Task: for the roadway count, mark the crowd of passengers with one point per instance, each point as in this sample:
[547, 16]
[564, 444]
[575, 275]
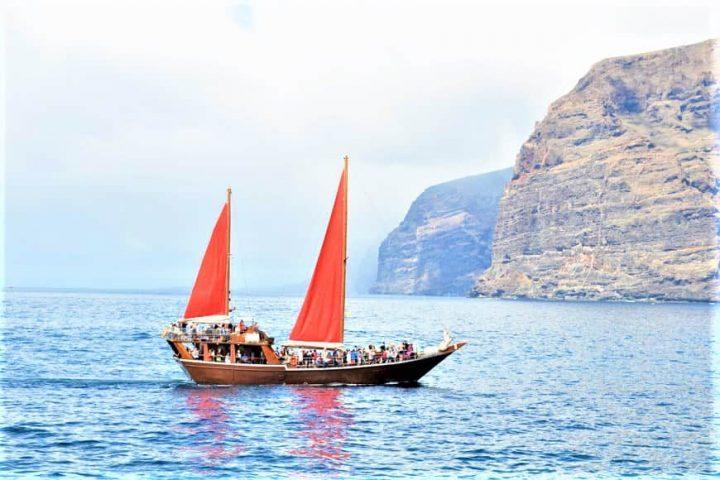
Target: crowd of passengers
[208, 329]
[294, 357]
[298, 357]
[312, 358]
[221, 353]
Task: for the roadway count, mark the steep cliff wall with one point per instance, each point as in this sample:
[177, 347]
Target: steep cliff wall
[614, 194]
[445, 240]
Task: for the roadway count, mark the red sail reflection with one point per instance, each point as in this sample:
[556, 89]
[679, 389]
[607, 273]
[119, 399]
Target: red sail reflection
[214, 431]
[325, 422]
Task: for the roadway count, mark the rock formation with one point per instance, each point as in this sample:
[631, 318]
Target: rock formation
[445, 240]
[614, 195]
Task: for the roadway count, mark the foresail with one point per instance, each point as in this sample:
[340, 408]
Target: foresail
[322, 317]
[210, 293]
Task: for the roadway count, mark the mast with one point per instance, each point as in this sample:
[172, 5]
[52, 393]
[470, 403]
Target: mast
[227, 276]
[344, 247]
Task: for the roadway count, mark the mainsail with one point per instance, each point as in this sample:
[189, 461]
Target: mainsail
[321, 321]
[210, 295]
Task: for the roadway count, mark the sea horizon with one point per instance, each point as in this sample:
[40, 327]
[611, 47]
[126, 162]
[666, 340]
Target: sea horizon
[179, 292]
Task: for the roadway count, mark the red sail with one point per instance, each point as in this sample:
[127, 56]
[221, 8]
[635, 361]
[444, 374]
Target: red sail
[210, 293]
[322, 317]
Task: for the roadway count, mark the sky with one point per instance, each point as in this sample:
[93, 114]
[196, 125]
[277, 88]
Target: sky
[125, 121]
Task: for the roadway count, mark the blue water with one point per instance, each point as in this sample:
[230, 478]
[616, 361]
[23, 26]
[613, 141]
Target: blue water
[543, 389]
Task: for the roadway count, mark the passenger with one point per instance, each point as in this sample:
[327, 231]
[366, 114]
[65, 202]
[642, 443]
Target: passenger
[241, 326]
[370, 354]
[394, 353]
[348, 357]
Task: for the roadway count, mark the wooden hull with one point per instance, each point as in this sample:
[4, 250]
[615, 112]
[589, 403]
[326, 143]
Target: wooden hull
[409, 371]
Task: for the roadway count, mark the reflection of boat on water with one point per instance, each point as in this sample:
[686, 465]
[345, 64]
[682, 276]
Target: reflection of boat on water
[211, 351]
[325, 423]
[215, 440]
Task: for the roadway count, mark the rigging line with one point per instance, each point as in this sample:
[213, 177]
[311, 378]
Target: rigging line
[242, 273]
[376, 210]
[237, 260]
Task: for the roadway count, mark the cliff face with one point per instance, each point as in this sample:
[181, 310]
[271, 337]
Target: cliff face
[445, 240]
[614, 194]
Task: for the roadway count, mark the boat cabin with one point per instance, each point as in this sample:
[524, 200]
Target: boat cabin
[222, 343]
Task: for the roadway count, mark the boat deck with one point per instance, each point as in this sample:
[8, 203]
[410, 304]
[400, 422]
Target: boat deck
[405, 371]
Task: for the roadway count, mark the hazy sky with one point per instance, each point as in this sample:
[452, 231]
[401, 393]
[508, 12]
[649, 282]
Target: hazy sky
[126, 120]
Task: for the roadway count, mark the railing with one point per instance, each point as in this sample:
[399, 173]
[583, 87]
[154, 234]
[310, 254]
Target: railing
[212, 336]
[197, 337]
[309, 363]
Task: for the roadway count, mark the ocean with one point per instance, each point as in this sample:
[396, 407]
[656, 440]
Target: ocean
[543, 389]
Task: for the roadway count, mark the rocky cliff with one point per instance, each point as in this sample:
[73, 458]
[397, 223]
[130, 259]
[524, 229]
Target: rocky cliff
[614, 195]
[445, 240]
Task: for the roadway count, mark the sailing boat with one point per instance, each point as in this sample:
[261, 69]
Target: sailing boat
[213, 350]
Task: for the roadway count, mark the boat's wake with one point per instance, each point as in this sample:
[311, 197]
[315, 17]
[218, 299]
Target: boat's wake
[89, 382]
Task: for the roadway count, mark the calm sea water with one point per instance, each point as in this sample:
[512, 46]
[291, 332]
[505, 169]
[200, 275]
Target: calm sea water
[543, 389]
